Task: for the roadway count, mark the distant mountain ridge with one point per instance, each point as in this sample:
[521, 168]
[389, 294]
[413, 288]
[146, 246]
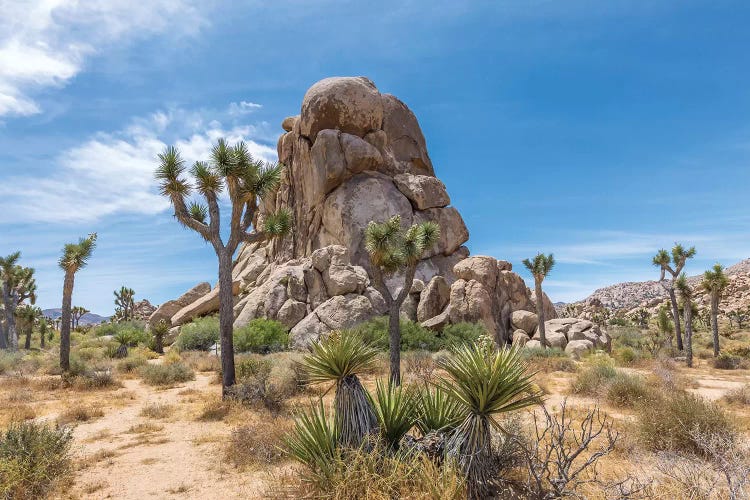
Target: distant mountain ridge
[86, 319]
[632, 294]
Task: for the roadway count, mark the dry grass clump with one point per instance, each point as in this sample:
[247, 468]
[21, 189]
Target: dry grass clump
[726, 361]
[592, 380]
[548, 360]
[420, 366]
[626, 390]
[157, 410]
[739, 396]
[146, 428]
[214, 411]
[670, 421]
[131, 364]
[257, 443]
[261, 384]
[166, 374]
[201, 361]
[79, 412]
[34, 458]
[375, 475]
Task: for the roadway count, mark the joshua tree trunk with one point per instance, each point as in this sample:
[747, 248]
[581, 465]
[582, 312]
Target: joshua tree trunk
[540, 311]
[3, 335]
[42, 340]
[10, 318]
[689, 335]
[226, 319]
[715, 321]
[27, 343]
[676, 316]
[394, 342]
[66, 320]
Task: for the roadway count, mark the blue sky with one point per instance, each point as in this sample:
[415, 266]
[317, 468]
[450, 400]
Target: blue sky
[600, 131]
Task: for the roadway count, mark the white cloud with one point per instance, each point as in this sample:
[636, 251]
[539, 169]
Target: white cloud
[113, 173]
[243, 108]
[44, 43]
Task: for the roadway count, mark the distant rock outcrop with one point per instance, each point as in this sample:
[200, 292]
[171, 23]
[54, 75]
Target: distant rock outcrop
[354, 155]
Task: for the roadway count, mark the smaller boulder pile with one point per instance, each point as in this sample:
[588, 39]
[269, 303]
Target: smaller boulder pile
[575, 336]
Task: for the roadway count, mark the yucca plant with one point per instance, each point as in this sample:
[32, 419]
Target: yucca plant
[437, 411]
[314, 441]
[339, 358]
[396, 409]
[123, 340]
[485, 382]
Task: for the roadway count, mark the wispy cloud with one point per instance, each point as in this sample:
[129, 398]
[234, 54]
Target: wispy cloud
[243, 108]
[45, 43]
[112, 173]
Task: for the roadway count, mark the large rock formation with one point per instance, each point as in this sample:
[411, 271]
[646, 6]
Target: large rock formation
[354, 155]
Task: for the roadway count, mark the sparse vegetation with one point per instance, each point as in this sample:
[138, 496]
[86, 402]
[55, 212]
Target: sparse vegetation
[34, 458]
[166, 374]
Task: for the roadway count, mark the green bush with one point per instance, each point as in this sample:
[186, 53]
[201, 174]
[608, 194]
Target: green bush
[623, 336]
[131, 364]
[592, 379]
[261, 336]
[415, 337]
[166, 374]
[626, 355]
[33, 458]
[9, 361]
[461, 333]
[627, 390]
[669, 422]
[199, 335]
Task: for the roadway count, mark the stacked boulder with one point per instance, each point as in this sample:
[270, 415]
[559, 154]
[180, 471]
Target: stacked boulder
[575, 336]
[354, 155]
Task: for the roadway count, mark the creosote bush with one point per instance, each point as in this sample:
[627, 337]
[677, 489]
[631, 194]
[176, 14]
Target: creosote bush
[199, 335]
[34, 458]
[669, 422]
[261, 336]
[600, 370]
[626, 390]
[166, 374]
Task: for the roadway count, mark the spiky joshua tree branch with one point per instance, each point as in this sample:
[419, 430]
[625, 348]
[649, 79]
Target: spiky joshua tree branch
[231, 170]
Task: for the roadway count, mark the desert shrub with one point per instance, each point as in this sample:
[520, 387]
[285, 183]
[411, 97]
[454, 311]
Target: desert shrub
[255, 386]
[624, 336]
[592, 379]
[9, 361]
[261, 336]
[33, 459]
[131, 364]
[741, 351]
[166, 374]
[420, 365]
[725, 361]
[461, 333]
[90, 353]
[739, 395]
[200, 361]
[626, 355]
[79, 413]
[548, 360]
[627, 390]
[157, 410]
[416, 337]
[257, 443]
[199, 335]
[113, 328]
[667, 423]
[214, 411]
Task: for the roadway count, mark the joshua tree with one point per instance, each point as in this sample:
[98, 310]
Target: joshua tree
[739, 316]
[124, 303]
[160, 330]
[686, 294]
[27, 316]
[640, 317]
[246, 181]
[714, 282]
[394, 249]
[43, 331]
[664, 261]
[76, 313]
[540, 268]
[74, 258]
[18, 285]
[663, 323]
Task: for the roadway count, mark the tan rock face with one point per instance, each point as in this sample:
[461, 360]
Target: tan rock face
[352, 156]
[171, 307]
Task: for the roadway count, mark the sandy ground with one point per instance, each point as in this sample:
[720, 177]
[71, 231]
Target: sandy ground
[173, 457]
